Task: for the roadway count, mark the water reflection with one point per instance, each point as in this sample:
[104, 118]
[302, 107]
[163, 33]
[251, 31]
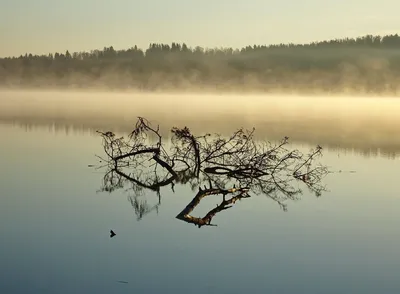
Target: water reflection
[345, 240]
[232, 167]
[370, 127]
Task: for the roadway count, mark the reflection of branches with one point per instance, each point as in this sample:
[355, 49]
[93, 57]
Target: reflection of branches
[141, 207]
[262, 167]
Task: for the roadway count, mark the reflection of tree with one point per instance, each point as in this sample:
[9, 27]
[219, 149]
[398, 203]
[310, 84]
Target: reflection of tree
[233, 166]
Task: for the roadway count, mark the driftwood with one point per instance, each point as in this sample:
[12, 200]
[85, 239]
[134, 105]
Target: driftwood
[225, 204]
[143, 160]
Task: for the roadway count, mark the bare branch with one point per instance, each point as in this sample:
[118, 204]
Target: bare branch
[261, 167]
[206, 220]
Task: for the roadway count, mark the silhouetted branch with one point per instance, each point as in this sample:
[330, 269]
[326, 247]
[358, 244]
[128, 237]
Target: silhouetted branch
[131, 154]
[239, 160]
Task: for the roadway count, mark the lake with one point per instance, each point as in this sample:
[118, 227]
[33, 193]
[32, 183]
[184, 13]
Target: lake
[55, 221]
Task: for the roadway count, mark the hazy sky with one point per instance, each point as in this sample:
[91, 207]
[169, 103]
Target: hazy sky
[42, 26]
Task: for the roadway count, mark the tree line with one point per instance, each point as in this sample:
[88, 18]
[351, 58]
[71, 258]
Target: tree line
[367, 64]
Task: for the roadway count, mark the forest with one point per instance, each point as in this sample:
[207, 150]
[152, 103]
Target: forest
[365, 65]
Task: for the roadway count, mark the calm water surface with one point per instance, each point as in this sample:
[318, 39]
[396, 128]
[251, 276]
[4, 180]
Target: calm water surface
[55, 224]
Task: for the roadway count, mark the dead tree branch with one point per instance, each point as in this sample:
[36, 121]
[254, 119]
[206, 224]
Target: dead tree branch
[262, 167]
[225, 204]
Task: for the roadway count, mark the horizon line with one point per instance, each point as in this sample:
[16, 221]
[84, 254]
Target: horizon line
[288, 44]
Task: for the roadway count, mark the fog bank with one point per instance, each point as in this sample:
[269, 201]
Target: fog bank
[367, 124]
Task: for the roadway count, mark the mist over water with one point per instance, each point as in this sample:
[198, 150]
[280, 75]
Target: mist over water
[368, 125]
[366, 65]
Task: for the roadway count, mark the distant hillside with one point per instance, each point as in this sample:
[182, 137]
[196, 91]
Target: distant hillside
[368, 64]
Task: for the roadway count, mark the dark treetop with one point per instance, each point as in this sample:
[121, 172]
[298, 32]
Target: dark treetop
[369, 64]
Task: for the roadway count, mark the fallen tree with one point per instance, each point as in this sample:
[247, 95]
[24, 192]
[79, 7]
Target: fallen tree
[235, 165]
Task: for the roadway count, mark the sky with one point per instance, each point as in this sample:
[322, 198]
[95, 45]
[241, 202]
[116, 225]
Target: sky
[43, 26]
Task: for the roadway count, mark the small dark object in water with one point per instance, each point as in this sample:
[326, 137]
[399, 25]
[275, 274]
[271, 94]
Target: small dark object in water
[112, 234]
[123, 282]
